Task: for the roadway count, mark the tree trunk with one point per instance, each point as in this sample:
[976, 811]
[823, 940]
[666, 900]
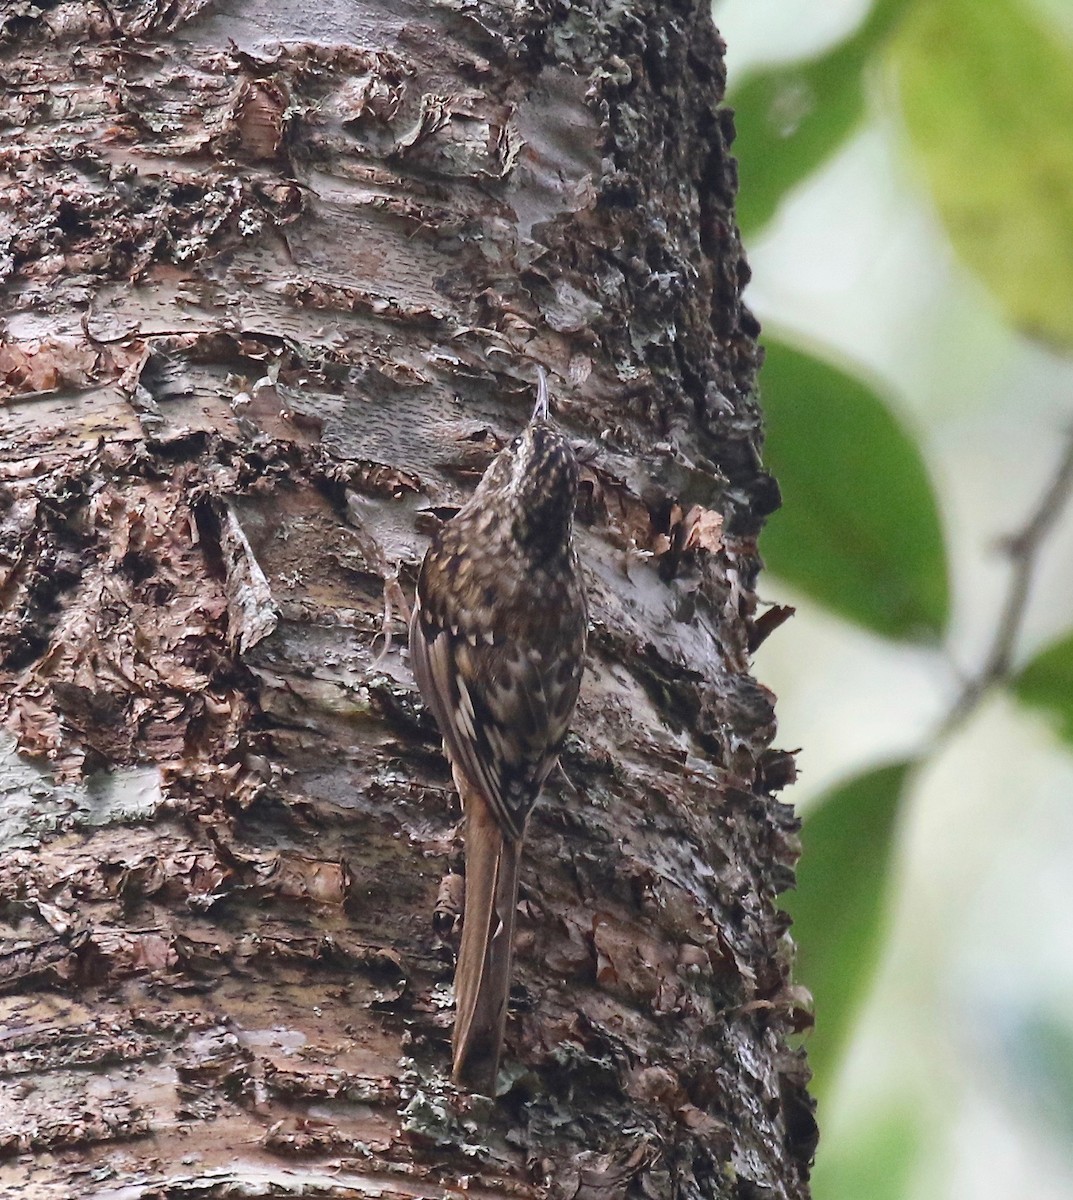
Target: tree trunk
[275, 282]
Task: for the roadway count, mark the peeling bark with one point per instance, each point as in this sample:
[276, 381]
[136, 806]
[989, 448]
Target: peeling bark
[273, 282]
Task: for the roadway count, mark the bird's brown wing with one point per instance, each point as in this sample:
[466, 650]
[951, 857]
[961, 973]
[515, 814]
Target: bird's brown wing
[491, 702]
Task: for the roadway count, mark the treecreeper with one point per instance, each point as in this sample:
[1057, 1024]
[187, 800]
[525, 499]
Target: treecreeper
[497, 643]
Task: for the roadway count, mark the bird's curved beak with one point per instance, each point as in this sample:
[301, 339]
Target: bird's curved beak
[540, 412]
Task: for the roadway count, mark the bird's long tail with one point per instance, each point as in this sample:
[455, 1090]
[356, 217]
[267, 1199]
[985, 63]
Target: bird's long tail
[482, 976]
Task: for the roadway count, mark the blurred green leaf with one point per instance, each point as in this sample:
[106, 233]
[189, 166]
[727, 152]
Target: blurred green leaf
[1047, 683]
[987, 91]
[839, 904]
[790, 118]
[859, 529]
[874, 1162]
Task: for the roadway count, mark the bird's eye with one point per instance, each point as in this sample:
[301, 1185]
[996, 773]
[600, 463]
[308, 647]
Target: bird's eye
[516, 443]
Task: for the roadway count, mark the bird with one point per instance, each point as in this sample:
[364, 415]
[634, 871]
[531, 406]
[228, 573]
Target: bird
[497, 645]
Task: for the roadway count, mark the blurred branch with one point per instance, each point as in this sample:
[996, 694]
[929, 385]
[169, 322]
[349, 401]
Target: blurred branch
[1023, 549]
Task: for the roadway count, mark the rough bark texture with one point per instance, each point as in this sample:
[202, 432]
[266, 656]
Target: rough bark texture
[274, 276]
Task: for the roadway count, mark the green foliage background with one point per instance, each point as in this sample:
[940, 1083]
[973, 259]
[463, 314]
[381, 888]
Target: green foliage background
[983, 95]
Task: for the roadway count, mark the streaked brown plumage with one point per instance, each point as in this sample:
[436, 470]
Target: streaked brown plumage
[497, 643]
